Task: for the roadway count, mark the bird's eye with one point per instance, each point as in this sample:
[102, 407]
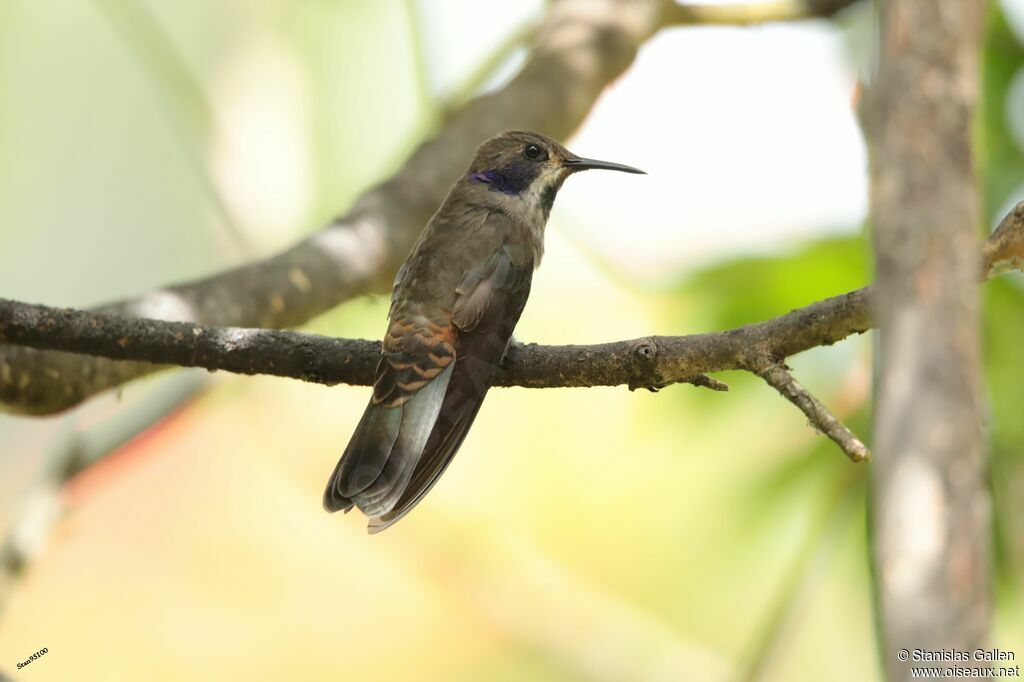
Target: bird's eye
[532, 151]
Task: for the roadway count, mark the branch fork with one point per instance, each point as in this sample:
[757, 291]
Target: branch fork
[777, 375]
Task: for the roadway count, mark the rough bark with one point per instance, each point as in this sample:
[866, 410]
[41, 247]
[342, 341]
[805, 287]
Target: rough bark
[647, 362]
[930, 504]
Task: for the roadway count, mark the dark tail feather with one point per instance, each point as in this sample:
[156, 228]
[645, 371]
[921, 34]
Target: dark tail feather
[382, 455]
[364, 457]
[466, 391]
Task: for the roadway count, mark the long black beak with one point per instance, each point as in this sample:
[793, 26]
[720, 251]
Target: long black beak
[578, 164]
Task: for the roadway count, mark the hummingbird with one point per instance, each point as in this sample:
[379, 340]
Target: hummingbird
[456, 300]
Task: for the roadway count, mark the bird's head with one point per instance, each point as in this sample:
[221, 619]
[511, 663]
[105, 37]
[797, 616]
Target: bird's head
[525, 170]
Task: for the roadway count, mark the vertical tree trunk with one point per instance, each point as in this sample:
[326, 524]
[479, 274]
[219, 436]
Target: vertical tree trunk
[930, 503]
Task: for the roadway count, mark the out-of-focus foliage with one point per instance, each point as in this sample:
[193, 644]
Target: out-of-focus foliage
[748, 290]
[1002, 157]
[1004, 365]
[1000, 151]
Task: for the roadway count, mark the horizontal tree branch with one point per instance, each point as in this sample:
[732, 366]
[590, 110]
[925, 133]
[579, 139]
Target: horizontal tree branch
[647, 362]
[651, 362]
[579, 47]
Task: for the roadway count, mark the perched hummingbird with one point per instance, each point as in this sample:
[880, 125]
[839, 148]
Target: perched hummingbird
[455, 302]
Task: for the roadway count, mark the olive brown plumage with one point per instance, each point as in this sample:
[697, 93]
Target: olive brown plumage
[455, 303]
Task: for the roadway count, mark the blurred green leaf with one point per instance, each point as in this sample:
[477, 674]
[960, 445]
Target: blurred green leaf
[1002, 159]
[753, 289]
[1004, 371]
[1002, 162]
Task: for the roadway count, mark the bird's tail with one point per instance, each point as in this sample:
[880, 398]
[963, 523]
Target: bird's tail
[388, 443]
[466, 391]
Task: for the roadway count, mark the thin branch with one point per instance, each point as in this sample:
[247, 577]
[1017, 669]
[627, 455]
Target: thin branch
[188, 108]
[778, 377]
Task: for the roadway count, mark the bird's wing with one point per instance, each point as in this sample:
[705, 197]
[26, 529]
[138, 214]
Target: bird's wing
[409, 386]
[489, 301]
[418, 346]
